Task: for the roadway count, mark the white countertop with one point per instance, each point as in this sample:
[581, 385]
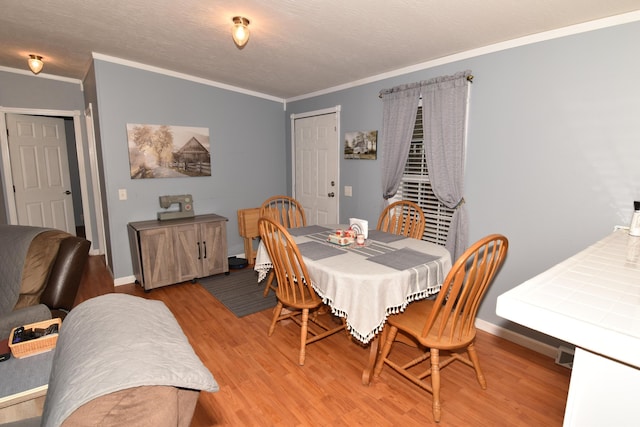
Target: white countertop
[591, 300]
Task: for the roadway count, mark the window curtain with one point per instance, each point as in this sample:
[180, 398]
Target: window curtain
[444, 113]
[444, 106]
[400, 106]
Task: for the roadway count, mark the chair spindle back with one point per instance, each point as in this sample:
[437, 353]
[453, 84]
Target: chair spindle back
[404, 218]
[454, 312]
[284, 210]
[294, 283]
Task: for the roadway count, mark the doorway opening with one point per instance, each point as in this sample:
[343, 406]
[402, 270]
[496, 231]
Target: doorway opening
[76, 162]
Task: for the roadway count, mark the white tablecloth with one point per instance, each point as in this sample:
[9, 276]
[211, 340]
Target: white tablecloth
[361, 290]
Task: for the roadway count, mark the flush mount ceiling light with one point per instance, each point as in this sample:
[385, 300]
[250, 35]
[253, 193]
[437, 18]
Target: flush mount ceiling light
[35, 63]
[240, 31]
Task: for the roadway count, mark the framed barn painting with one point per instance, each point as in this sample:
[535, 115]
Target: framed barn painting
[361, 145]
[164, 151]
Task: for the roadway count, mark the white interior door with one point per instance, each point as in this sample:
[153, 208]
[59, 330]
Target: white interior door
[317, 148]
[40, 171]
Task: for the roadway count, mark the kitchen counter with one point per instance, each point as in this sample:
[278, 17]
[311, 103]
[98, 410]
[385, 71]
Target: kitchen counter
[591, 300]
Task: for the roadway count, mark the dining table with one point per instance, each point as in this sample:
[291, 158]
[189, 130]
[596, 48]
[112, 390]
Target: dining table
[364, 284]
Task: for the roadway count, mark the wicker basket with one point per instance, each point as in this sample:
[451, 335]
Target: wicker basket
[38, 345]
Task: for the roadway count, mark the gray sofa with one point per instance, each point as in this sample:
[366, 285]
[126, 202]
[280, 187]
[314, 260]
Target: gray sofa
[123, 360]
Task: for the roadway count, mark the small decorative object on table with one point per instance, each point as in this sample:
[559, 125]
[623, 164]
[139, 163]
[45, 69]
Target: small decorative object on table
[360, 226]
[342, 237]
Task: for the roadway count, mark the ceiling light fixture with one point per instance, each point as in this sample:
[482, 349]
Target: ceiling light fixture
[240, 31]
[35, 63]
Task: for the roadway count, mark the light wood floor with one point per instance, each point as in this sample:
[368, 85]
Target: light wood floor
[261, 383]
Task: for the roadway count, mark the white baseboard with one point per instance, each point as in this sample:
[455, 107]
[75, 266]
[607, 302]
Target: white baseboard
[124, 280]
[516, 338]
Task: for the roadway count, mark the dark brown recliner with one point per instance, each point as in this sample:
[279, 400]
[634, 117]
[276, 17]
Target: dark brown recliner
[52, 263]
[66, 274]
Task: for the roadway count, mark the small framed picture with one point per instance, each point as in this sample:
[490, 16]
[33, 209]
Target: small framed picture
[361, 145]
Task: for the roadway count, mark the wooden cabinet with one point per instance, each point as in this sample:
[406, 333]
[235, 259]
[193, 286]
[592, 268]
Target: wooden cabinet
[174, 251]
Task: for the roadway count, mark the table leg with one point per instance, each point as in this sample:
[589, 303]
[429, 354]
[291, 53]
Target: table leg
[371, 363]
[374, 352]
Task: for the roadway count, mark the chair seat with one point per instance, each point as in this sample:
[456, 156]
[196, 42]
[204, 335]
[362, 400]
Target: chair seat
[309, 300]
[411, 321]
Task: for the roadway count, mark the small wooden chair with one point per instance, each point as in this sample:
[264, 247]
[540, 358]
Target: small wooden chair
[404, 218]
[287, 212]
[294, 289]
[448, 322]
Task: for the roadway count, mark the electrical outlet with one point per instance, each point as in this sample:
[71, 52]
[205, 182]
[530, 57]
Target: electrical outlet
[348, 191]
[122, 194]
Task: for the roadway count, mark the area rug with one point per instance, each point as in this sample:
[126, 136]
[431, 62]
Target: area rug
[239, 291]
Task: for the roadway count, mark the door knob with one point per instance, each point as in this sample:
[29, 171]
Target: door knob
[67, 192]
[332, 194]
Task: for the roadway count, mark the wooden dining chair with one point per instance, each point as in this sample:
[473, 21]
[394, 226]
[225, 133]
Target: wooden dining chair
[285, 210]
[448, 322]
[294, 291]
[403, 218]
[289, 213]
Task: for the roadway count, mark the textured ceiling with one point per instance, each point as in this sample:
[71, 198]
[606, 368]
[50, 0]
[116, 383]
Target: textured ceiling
[296, 47]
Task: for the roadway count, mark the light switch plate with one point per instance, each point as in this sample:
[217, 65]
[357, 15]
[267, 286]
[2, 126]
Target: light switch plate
[348, 191]
[122, 194]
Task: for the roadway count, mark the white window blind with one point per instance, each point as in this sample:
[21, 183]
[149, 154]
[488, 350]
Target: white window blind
[416, 186]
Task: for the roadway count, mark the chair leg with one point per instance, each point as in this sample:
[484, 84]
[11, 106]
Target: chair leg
[269, 282]
[276, 314]
[435, 383]
[386, 348]
[473, 356]
[303, 335]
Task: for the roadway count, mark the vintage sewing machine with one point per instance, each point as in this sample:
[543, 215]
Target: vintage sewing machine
[185, 209]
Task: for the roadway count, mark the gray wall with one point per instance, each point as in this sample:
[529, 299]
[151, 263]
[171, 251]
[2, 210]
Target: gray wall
[25, 91]
[247, 149]
[553, 147]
